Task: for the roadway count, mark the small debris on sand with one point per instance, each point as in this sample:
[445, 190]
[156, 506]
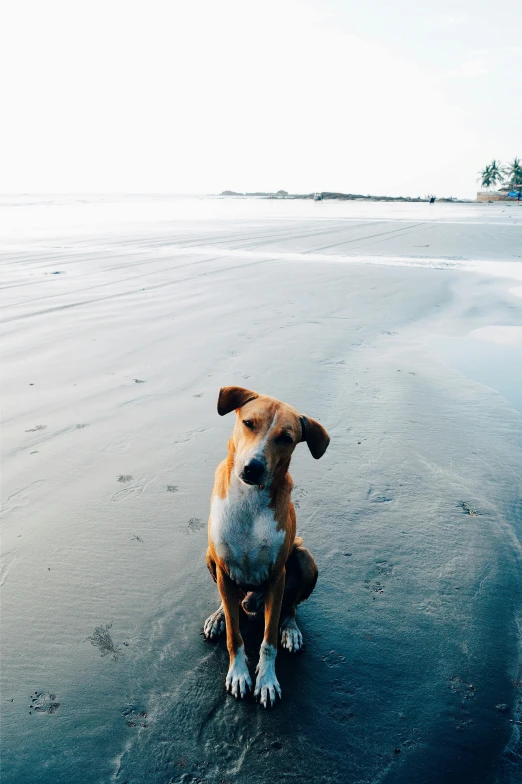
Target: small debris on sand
[101, 638]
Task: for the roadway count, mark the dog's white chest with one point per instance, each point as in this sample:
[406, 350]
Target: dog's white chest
[245, 534]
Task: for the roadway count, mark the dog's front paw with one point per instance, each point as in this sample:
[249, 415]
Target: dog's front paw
[215, 624]
[291, 637]
[267, 685]
[238, 681]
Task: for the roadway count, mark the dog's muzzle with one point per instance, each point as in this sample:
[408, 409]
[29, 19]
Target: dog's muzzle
[253, 473]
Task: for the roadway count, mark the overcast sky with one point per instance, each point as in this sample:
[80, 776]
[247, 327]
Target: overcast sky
[405, 97]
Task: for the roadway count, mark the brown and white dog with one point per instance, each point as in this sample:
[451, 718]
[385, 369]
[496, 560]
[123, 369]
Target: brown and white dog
[253, 553]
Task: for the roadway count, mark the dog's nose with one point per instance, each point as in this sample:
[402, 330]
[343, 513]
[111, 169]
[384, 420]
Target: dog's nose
[253, 472]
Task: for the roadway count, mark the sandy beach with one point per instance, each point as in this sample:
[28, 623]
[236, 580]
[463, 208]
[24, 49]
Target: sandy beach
[399, 327]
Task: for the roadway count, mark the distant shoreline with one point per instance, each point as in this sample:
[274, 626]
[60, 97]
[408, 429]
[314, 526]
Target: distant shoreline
[323, 195]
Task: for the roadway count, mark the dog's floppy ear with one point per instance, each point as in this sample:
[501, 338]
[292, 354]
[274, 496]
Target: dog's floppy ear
[231, 398]
[315, 436]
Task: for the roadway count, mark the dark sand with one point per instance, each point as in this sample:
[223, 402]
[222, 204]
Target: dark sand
[111, 370]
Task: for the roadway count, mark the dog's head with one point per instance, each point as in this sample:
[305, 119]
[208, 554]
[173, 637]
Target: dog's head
[266, 433]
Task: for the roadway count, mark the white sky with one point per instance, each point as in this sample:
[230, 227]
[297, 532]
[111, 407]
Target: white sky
[404, 97]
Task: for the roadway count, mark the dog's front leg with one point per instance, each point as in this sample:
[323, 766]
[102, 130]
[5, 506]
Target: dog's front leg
[267, 685]
[238, 678]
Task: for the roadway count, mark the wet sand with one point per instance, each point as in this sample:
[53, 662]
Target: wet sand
[119, 324]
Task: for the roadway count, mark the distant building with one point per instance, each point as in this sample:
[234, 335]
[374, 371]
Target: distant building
[506, 193]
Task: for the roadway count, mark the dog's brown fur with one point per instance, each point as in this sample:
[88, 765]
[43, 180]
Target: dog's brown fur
[265, 423]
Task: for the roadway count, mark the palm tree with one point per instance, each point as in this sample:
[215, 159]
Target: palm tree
[513, 171]
[492, 174]
[496, 172]
[485, 177]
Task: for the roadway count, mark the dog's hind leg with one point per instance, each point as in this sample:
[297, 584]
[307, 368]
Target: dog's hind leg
[215, 625]
[301, 577]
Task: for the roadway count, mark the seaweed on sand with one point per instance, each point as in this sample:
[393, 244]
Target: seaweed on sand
[101, 638]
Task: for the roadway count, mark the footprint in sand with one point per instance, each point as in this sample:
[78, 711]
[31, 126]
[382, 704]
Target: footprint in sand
[134, 490]
[409, 739]
[21, 497]
[464, 694]
[195, 524]
[339, 686]
[380, 497]
[333, 659]
[341, 712]
[462, 688]
[134, 717]
[128, 493]
[298, 495]
[43, 702]
[377, 576]
[189, 435]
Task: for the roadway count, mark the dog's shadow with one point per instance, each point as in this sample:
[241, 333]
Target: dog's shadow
[199, 732]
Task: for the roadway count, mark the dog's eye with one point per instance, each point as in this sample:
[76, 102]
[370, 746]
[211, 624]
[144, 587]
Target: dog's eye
[248, 423]
[285, 438]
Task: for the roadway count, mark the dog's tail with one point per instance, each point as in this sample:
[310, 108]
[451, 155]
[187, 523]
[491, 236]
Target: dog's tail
[298, 541]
